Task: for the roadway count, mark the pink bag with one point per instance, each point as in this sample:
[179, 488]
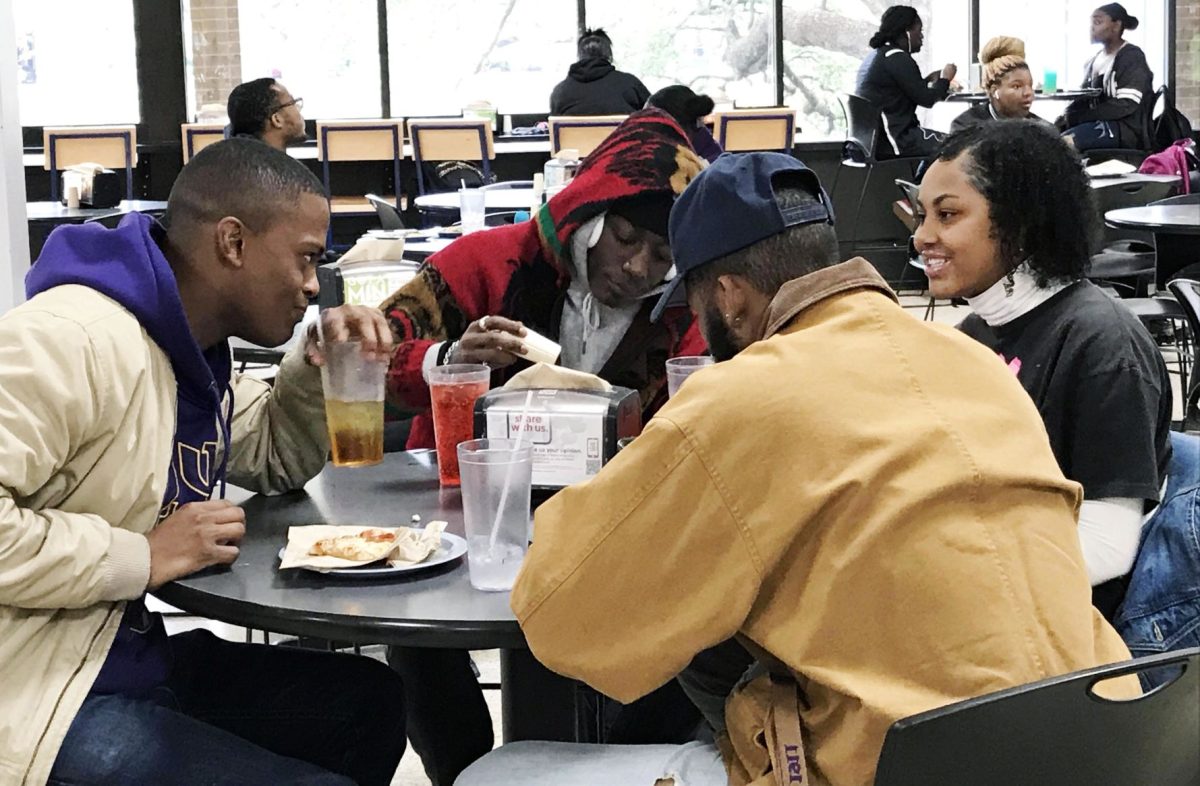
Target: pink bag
[1178, 159]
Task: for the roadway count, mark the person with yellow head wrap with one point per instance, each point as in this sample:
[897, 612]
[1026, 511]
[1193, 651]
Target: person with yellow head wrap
[1007, 82]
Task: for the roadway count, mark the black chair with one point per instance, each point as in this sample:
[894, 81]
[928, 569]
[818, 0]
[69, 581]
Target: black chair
[1126, 258]
[1056, 732]
[863, 192]
[1187, 293]
[389, 216]
[910, 192]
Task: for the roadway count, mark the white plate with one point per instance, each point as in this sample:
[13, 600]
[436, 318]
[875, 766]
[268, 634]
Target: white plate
[451, 548]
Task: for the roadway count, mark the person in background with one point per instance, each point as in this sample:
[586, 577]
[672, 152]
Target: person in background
[265, 110]
[594, 86]
[1117, 117]
[584, 272]
[689, 111]
[993, 233]
[1007, 82]
[890, 79]
[964, 578]
[119, 417]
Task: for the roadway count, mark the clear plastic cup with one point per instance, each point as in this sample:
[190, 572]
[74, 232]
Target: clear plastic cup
[679, 369]
[496, 481]
[353, 388]
[453, 390]
[472, 207]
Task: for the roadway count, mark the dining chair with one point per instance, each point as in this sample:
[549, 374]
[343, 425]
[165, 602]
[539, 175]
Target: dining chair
[1057, 732]
[741, 130]
[451, 139]
[114, 147]
[359, 140]
[197, 136]
[582, 133]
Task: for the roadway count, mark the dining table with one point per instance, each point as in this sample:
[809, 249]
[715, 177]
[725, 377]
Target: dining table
[980, 96]
[1176, 230]
[433, 606]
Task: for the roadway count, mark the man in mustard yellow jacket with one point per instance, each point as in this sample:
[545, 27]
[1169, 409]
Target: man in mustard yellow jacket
[868, 502]
[119, 418]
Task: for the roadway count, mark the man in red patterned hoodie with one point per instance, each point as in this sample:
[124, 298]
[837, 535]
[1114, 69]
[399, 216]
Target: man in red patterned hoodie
[586, 272]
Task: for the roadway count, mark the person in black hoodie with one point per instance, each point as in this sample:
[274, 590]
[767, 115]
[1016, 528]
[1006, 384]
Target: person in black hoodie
[594, 86]
[890, 79]
[148, 309]
[1117, 117]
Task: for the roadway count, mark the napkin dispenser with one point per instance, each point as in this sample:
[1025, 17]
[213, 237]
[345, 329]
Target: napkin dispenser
[95, 185]
[573, 433]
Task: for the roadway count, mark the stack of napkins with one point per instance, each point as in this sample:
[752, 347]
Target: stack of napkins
[1110, 168]
[374, 249]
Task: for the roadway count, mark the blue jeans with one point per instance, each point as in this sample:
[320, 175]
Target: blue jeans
[1161, 610]
[1094, 134]
[243, 714]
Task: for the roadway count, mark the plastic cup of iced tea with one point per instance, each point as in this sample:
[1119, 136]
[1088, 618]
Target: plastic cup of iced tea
[453, 390]
[353, 388]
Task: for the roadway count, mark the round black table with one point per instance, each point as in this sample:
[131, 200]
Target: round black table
[429, 608]
[1175, 228]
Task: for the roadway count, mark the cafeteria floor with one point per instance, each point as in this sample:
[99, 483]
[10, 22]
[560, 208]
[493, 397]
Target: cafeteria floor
[410, 772]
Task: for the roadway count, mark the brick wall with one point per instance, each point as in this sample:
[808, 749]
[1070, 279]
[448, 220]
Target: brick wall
[216, 50]
[1187, 59]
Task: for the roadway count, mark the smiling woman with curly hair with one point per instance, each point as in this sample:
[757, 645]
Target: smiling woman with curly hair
[1006, 214]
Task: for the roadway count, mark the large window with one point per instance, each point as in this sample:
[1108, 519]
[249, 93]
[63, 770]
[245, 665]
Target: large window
[1057, 34]
[76, 62]
[722, 48]
[326, 54]
[824, 43]
[447, 54]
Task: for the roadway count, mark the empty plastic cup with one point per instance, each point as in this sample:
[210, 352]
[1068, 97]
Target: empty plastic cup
[472, 207]
[496, 480]
[679, 369]
[353, 388]
[453, 390]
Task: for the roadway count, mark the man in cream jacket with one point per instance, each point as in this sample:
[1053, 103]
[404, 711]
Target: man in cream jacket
[119, 416]
[868, 502]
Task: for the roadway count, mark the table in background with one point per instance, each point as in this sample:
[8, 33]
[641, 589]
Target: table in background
[495, 200]
[435, 607]
[43, 217]
[1133, 177]
[979, 97]
[1176, 231]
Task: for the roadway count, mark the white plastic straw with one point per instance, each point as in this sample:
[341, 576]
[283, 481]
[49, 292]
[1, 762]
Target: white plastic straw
[508, 472]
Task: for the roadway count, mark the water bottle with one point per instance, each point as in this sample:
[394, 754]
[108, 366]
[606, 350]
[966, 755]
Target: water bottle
[559, 170]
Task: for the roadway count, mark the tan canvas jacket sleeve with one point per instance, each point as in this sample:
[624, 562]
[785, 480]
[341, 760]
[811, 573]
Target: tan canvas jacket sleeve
[58, 393]
[617, 564]
[278, 432]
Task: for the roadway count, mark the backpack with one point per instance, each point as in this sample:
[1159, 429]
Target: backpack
[452, 175]
[1170, 125]
[1179, 159]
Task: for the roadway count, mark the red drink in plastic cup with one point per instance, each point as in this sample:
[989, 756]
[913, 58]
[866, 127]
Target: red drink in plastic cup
[453, 390]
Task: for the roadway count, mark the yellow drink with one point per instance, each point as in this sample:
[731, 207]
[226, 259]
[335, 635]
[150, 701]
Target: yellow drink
[355, 431]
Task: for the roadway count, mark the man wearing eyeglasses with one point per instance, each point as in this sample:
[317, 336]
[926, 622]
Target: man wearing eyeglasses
[265, 110]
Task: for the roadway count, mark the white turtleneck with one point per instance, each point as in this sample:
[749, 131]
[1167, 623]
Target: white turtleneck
[1111, 527]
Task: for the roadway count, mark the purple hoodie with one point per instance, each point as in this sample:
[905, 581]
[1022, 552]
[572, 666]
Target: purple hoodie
[127, 265]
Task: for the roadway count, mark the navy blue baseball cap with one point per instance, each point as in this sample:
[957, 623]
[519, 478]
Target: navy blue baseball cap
[731, 205]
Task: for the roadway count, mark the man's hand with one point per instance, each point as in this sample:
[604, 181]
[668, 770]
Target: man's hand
[492, 340]
[351, 323]
[949, 71]
[194, 537]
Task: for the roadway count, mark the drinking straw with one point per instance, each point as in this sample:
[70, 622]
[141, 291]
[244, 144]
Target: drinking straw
[508, 472]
